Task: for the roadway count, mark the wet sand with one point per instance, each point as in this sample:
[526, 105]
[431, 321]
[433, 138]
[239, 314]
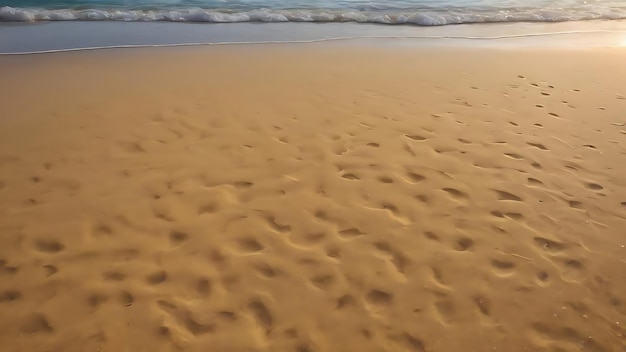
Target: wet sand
[313, 198]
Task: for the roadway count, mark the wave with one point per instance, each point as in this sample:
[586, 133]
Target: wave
[420, 18]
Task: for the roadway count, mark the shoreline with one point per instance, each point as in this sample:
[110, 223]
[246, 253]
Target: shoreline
[29, 38]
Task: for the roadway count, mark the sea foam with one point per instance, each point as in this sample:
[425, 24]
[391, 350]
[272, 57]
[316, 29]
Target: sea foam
[393, 17]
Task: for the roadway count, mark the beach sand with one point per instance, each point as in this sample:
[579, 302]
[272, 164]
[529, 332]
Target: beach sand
[313, 198]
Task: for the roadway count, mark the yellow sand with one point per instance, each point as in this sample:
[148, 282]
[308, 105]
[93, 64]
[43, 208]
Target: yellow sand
[313, 198]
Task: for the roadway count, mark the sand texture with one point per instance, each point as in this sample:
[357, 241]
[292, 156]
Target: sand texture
[313, 198]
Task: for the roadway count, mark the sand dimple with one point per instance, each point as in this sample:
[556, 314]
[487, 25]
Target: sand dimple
[568, 335]
[538, 146]
[415, 137]
[514, 156]
[351, 177]
[50, 269]
[36, 323]
[126, 298]
[262, 315]
[385, 179]
[243, 184]
[504, 195]
[275, 225]
[431, 236]
[102, 230]
[157, 277]
[9, 296]
[345, 301]
[131, 147]
[249, 244]
[549, 245]
[208, 208]
[413, 343]
[203, 286]
[554, 114]
[323, 281]
[446, 311]
[463, 244]
[503, 268]
[185, 319]
[49, 246]
[350, 232]
[96, 299]
[415, 177]
[113, 275]
[483, 304]
[455, 193]
[176, 237]
[575, 204]
[594, 186]
[379, 297]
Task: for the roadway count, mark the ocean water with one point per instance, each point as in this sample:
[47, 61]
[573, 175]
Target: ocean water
[407, 12]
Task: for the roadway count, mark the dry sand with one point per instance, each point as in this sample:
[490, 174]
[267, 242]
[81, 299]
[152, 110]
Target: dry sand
[313, 198]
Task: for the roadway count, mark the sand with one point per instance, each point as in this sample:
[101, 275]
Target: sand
[313, 198]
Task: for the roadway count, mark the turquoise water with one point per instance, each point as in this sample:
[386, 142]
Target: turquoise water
[410, 12]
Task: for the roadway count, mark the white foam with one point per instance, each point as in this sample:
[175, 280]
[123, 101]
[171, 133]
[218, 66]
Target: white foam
[421, 18]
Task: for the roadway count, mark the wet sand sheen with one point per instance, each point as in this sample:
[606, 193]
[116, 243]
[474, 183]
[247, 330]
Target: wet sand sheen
[313, 198]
